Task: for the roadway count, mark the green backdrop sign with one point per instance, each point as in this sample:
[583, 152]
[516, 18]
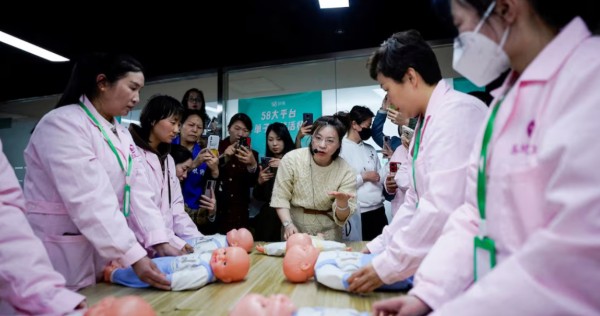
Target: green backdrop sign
[286, 109]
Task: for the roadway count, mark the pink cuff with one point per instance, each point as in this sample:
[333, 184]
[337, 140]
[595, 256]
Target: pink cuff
[157, 236]
[430, 294]
[177, 242]
[133, 255]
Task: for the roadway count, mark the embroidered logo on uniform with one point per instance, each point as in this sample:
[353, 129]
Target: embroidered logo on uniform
[530, 128]
[134, 153]
[526, 149]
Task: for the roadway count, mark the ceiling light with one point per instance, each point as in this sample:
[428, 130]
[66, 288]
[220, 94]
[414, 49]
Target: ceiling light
[30, 48]
[328, 4]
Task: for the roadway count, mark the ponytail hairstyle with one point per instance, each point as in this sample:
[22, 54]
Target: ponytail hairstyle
[86, 70]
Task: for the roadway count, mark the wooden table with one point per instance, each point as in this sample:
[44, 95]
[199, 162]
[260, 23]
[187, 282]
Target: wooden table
[265, 277]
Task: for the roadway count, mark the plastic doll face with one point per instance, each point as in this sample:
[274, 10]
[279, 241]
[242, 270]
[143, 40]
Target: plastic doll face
[299, 240]
[257, 305]
[241, 238]
[230, 264]
[299, 263]
[124, 306]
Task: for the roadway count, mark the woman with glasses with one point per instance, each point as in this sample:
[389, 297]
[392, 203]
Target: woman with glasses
[193, 99]
[314, 188]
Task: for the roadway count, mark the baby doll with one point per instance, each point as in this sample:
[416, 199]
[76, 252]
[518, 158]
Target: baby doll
[280, 305]
[235, 237]
[330, 268]
[191, 271]
[278, 248]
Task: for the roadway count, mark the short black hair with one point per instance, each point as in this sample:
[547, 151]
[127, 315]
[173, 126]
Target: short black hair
[159, 107]
[245, 119]
[179, 153]
[401, 51]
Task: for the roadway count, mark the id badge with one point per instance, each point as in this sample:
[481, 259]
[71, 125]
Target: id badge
[484, 256]
[126, 198]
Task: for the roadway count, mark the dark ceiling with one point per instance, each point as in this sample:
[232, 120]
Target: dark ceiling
[172, 38]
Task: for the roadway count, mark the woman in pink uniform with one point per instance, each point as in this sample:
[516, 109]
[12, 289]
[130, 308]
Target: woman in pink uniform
[527, 239]
[28, 283]
[87, 192]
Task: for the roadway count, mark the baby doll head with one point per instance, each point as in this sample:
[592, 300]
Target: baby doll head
[230, 264]
[299, 263]
[257, 305]
[298, 239]
[240, 238]
[130, 305]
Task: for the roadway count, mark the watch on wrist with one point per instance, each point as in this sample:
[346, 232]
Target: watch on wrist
[286, 223]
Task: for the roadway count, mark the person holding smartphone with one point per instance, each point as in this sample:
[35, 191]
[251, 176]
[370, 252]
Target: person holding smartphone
[204, 166]
[238, 172]
[279, 143]
[305, 129]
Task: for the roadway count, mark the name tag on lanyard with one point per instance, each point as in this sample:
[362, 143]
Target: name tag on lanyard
[484, 256]
[127, 189]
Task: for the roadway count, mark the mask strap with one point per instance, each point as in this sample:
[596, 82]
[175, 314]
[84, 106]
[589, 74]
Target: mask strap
[504, 37]
[485, 16]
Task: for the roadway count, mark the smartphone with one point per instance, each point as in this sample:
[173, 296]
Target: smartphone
[244, 141]
[386, 140]
[407, 131]
[264, 162]
[213, 144]
[209, 190]
[393, 166]
[307, 118]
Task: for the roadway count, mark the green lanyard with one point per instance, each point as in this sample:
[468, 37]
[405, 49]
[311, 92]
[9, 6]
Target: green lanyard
[481, 172]
[127, 190]
[415, 155]
[484, 247]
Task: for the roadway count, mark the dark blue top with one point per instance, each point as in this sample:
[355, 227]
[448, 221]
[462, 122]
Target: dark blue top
[192, 187]
[377, 130]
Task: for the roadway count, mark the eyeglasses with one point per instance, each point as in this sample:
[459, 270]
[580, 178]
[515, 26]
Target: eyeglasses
[197, 100]
[318, 140]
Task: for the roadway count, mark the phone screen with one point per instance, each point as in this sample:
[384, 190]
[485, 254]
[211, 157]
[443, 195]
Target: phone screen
[213, 144]
[209, 190]
[264, 161]
[386, 140]
[244, 141]
[408, 132]
[307, 118]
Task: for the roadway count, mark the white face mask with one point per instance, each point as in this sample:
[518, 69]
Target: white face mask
[477, 57]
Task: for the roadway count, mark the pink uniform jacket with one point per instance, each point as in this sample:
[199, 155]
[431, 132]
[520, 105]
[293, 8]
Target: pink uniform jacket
[543, 200]
[403, 176]
[451, 123]
[179, 225]
[28, 283]
[74, 191]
